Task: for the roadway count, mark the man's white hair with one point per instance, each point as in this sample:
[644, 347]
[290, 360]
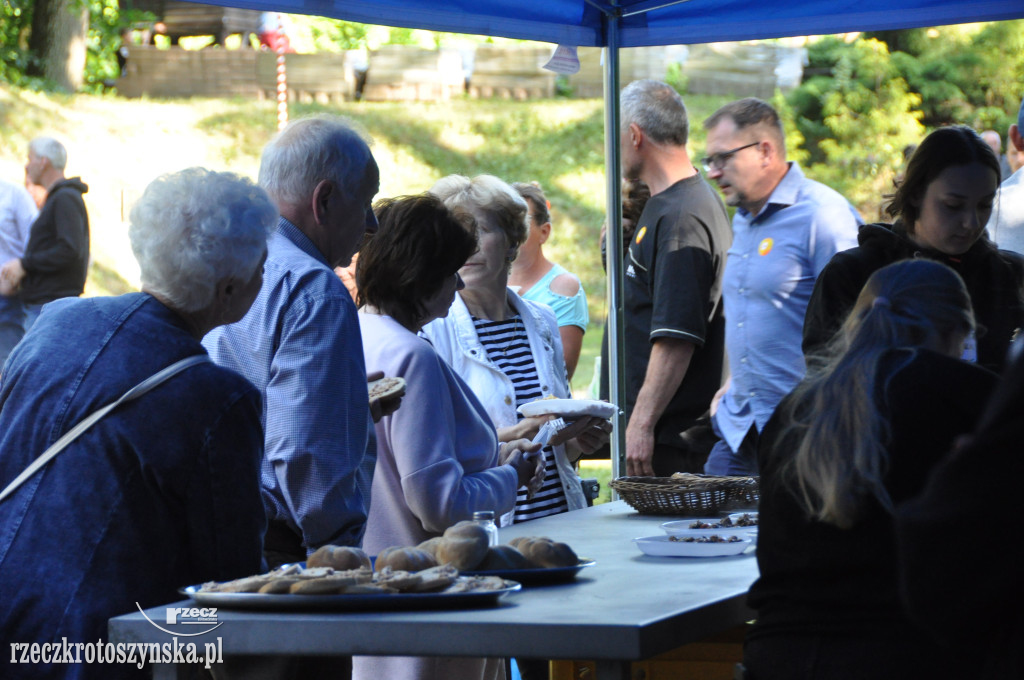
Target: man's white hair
[51, 149]
[309, 151]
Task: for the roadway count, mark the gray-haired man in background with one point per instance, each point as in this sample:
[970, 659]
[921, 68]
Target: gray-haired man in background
[674, 329]
[55, 262]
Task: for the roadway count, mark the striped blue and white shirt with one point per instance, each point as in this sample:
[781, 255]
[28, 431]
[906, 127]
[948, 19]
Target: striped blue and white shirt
[508, 347]
[300, 345]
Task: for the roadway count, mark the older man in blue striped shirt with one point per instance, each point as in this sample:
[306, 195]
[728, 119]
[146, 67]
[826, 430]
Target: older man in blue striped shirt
[300, 342]
[17, 213]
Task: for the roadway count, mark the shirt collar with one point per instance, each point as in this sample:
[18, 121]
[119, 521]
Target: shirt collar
[301, 241]
[784, 195]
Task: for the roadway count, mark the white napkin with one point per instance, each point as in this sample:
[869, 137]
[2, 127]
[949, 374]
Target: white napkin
[564, 60]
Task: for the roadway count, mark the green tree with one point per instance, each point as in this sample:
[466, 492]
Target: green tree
[62, 44]
[795, 150]
[15, 29]
[57, 39]
[913, 41]
[856, 120]
[973, 76]
[316, 34]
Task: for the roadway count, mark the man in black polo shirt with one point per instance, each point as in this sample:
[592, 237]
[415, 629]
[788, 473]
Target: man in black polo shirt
[674, 328]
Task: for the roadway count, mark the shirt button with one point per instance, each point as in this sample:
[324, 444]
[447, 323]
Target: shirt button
[508, 400]
[739, 325]
[743, 360]
[753, 393]
[745, 256]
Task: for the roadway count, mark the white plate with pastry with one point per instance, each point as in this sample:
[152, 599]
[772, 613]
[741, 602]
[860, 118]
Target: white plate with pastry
[569, 408]
[718, 525]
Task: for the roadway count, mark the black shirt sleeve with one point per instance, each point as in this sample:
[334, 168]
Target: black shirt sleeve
[681, 273]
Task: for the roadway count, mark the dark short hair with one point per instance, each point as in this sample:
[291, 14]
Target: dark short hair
[748, 112]
[532, 192]
[943, 148]
[419, 244]
[635, 195]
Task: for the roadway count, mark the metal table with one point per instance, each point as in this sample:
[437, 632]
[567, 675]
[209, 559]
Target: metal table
[626, 607]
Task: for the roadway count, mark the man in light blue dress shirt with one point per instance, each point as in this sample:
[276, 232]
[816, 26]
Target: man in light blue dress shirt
[17, 213]
[300, 342]
[785, 230]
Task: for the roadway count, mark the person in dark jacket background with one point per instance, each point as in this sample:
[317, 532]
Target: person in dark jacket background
[941, 208]
[56, 258]
[978, 482]
[879, 408]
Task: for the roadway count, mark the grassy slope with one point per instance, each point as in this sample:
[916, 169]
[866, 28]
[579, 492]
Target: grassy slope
[119, 145]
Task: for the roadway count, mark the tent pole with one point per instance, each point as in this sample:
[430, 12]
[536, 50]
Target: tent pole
[613, 248]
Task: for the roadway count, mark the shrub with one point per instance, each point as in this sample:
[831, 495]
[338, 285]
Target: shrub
[855, 120]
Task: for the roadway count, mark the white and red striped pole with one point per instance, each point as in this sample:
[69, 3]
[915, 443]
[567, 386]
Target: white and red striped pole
[282, 80]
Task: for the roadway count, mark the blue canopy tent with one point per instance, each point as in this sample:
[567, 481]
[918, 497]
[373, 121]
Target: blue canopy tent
[639, 23]
[614, 24]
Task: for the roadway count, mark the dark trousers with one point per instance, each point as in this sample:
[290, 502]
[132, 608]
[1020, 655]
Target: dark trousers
[281, 545]
[12, 325]
[724, 461]
[851, 656]
[671, 459]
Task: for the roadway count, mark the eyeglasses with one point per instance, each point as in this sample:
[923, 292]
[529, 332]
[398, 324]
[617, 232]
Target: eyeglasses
[717, 161]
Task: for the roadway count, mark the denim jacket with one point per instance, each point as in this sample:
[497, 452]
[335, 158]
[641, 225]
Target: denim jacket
[455, 340]
[162, 492]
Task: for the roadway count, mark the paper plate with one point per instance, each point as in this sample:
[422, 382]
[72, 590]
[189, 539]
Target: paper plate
[664, 546]
[569, 407]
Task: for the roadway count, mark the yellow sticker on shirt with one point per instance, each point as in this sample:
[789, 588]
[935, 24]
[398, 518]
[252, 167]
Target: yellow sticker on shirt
[640, 235]
[765, 246]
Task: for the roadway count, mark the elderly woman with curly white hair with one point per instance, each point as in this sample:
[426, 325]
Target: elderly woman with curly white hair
[163, 490]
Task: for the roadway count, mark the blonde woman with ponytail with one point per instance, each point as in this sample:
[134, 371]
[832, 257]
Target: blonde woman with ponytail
[876, 411]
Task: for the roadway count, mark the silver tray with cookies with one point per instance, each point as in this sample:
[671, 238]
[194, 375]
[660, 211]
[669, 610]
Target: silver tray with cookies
[455, 570]
[295, 587]
[350, 602]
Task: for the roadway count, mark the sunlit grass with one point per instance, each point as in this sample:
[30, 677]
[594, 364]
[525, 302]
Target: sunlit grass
[601, 470]
[558, 143]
